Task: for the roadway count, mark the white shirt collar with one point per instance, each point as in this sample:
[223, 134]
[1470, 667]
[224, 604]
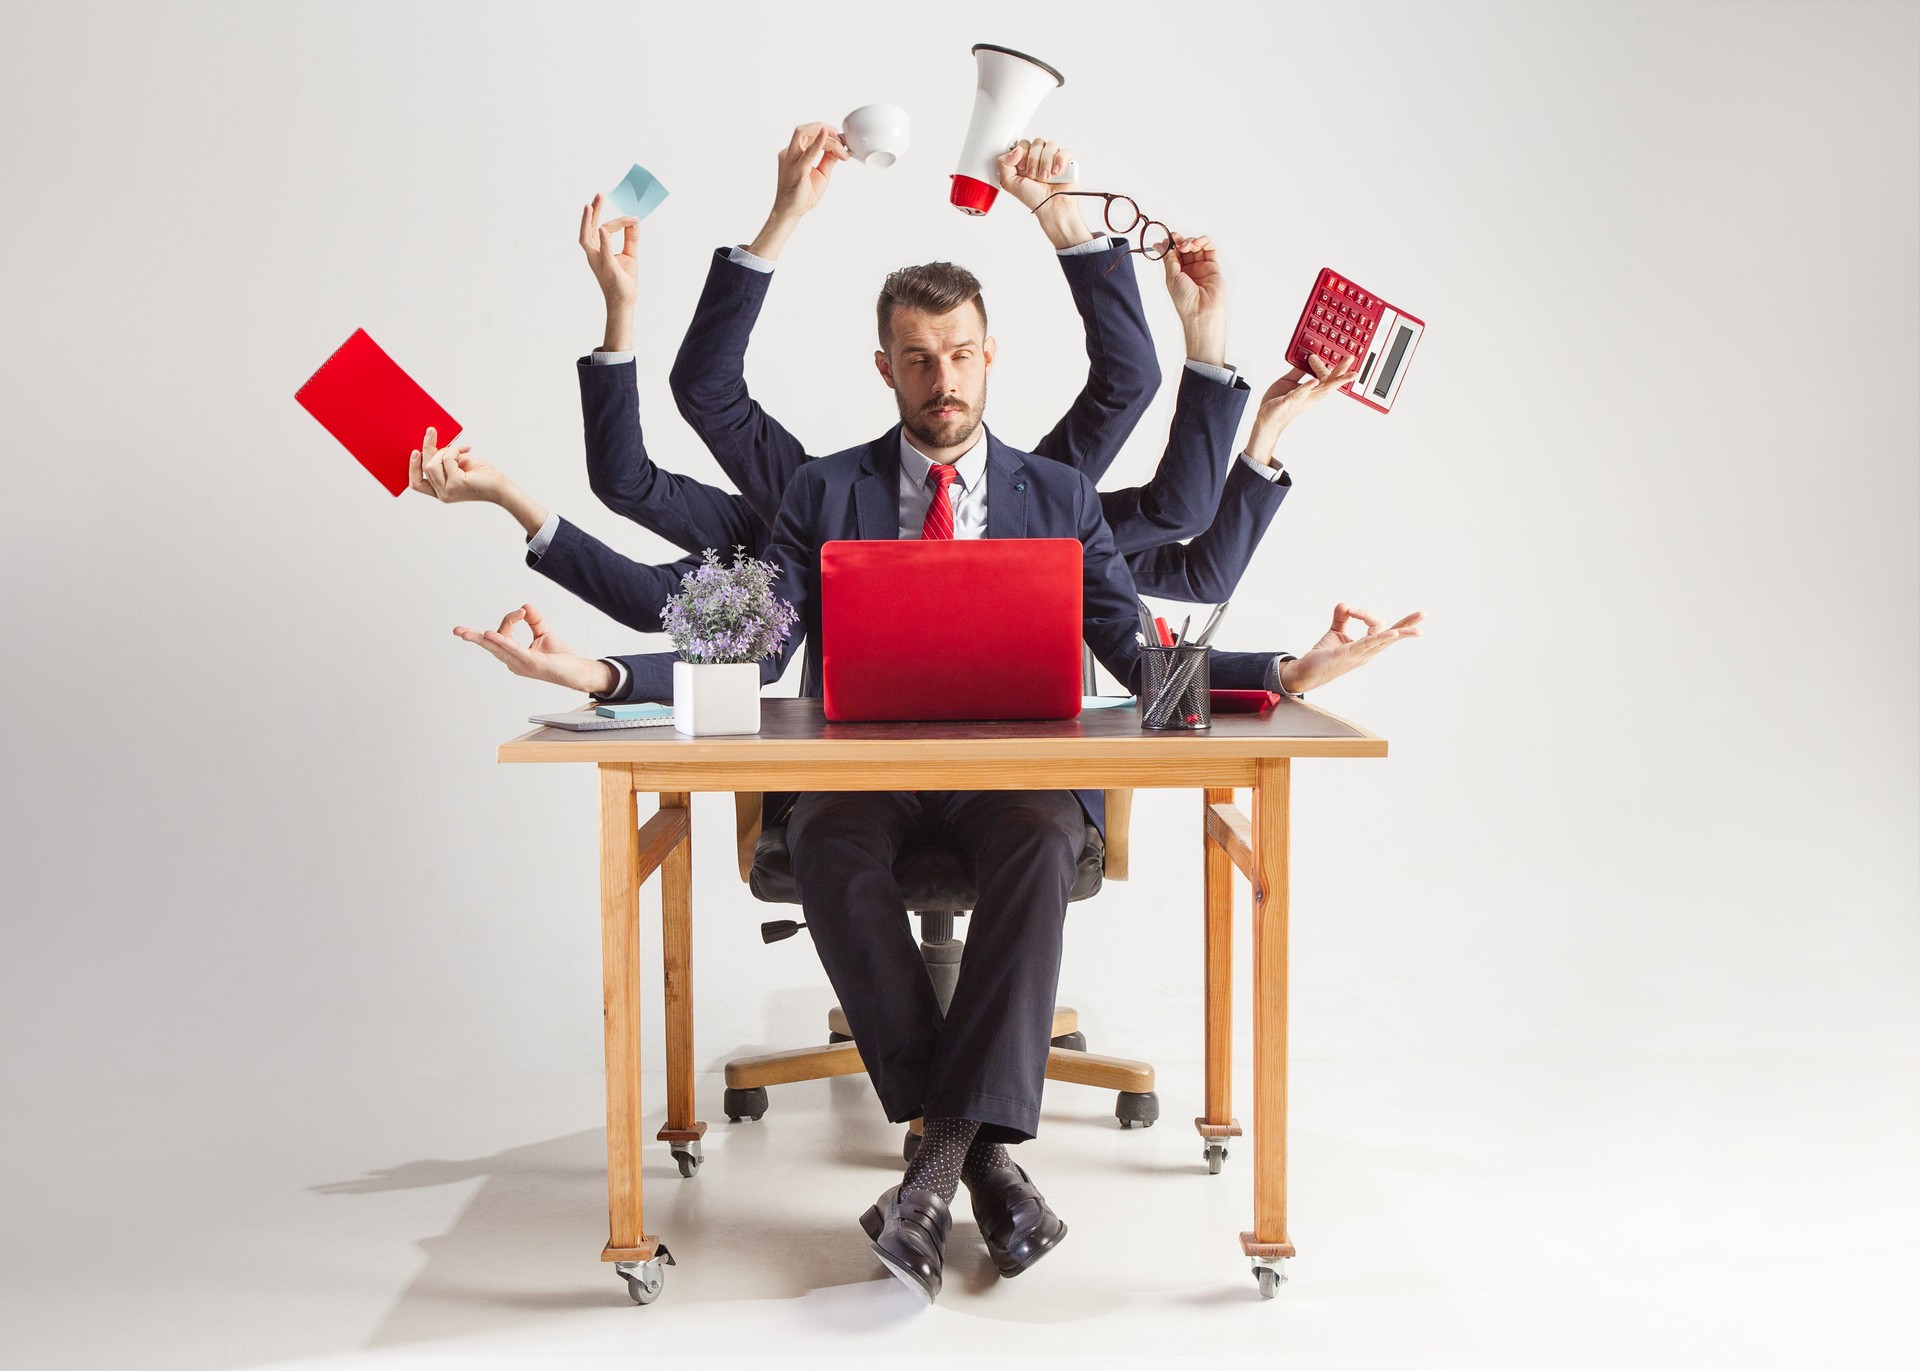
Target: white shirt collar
[970, 468]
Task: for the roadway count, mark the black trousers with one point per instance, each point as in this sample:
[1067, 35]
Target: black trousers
[987, 1059]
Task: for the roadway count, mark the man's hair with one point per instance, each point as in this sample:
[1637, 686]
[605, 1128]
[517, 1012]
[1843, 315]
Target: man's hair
[937, 288]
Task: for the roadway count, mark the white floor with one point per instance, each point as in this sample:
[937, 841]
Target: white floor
[1519, 1212]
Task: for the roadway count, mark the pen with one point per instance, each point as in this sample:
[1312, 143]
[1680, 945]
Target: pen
[1181, 636]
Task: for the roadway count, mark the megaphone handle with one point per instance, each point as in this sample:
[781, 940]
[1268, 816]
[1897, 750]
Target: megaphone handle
[1067, 177]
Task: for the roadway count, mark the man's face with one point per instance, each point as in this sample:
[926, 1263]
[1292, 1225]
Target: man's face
[937, 367]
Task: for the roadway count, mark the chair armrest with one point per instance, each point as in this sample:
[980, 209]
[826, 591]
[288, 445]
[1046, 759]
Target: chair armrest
[746, 828]
[1119, 819]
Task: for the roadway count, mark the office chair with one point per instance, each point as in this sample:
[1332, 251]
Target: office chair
[939, 889]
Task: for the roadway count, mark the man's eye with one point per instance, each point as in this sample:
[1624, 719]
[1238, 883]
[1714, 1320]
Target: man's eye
[961, 356]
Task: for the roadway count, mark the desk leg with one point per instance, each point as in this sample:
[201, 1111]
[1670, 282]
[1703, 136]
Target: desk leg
[1268, 1243]
[676, 950]
[1218, 1124]
[627, 1238]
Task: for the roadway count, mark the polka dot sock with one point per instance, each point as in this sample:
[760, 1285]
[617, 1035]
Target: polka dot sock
[936, 1166]
[982, 1157]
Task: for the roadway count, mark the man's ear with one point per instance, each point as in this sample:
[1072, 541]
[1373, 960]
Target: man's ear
[987, 349]
[885, 368]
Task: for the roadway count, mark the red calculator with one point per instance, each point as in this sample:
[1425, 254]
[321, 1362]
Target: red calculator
[1342, 321]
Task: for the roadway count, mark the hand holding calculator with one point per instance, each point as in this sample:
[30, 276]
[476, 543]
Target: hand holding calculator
[1341, 322]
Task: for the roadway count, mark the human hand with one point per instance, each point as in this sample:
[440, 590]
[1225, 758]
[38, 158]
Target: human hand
[805, 167]
[611, 250]
[1290, 397]
[546, 658]
[452, 475]
[1197, 285]
[1024, 169]
[1337, 652]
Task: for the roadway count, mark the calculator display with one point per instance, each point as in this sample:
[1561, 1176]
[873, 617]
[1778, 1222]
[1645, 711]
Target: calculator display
[1392, 365]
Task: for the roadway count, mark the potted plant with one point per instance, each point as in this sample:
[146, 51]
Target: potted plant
[725, 620]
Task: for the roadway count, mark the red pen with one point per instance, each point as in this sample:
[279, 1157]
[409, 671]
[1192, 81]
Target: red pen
[1166, 634]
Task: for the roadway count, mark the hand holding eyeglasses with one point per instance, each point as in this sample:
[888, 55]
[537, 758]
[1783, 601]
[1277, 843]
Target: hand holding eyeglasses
[1198, 287]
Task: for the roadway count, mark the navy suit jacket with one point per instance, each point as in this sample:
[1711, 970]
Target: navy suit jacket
[1182, 500]
[856, 494]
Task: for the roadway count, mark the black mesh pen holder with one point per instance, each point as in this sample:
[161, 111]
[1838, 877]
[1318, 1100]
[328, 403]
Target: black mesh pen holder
[1173, 688]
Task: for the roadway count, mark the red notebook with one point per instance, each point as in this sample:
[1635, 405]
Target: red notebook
[377, 411]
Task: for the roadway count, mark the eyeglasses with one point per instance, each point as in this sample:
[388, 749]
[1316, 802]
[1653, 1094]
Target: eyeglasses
[1123, 218]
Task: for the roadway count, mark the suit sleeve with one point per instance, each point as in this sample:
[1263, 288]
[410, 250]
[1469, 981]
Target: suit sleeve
[1206, 570]
[1108, 600]
[709, 384]
[689, 514]
[1184, 494]
[794, 553]
[626, 591]
[1122, 372]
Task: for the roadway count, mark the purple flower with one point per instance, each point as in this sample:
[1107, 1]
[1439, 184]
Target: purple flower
[728, 614]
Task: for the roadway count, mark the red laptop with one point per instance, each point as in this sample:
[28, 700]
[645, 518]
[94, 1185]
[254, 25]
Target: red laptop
[973, 628]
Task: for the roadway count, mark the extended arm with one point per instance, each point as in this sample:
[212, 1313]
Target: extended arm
[708, 379]
[1122, 372]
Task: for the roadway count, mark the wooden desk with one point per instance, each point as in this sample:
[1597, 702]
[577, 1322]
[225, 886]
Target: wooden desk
[796, 749]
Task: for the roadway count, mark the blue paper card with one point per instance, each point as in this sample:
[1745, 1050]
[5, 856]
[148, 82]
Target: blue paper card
[639, 194]
[635, 711]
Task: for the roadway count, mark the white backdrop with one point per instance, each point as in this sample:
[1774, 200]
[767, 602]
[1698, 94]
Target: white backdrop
[1652, 478]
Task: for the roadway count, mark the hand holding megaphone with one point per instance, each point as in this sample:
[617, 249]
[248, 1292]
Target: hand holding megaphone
[1033, 168]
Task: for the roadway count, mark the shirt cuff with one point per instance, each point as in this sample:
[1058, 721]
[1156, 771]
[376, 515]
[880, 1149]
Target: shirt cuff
[1224, 375]
[1100, 242]
[1273, 676]
[538, 544]
[619, 678]
[599, 358]
[1269, 471]
[748, 260]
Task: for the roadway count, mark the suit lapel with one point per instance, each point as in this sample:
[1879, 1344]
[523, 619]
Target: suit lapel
[876, 495]
[1006, 491]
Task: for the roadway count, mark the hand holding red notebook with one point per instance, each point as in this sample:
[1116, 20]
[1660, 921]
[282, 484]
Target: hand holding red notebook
[377, 411]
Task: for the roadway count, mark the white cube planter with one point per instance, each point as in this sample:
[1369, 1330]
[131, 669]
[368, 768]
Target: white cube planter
[711, 698]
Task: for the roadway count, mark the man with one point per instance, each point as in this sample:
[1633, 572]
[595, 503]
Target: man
[976, 1075]
[1182, 500]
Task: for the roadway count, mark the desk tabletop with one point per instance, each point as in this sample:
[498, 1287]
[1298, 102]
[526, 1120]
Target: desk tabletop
[795, 731]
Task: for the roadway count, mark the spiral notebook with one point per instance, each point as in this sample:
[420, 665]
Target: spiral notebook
[592, 723]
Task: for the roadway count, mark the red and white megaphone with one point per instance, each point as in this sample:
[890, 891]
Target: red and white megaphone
[1012, 85]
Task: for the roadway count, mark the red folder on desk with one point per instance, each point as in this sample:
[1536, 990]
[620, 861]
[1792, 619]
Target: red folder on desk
[377, 411]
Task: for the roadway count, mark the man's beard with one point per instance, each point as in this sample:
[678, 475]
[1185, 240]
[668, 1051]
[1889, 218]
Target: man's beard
[942, 433]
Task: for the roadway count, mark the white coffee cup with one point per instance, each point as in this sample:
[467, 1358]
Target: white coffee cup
[877, 134]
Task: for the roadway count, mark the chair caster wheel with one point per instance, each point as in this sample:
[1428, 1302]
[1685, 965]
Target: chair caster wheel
[1271, 1278]
[750, 1103]
[644, 1279]
[911, 1146]
[688, 1155]
[1137, 1107]
[1215, 1154]
[839, 1037]
[1075, 1041]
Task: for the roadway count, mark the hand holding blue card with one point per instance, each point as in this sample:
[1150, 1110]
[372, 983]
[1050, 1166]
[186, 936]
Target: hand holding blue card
[638, 195]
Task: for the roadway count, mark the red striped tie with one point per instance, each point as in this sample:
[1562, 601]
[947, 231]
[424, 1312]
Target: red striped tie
[939, 521]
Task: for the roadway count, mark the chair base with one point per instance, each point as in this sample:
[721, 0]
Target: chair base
[1072, 1065]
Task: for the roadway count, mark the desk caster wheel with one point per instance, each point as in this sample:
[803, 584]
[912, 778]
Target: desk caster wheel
[688, 1155]
[839, 1037]
[1216, 1153]
[1271, 1278]
[645, 1279]
[911, 1147]
[1139, 1108]
[745, 1104]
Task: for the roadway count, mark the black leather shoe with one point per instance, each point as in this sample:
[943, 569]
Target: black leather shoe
[909, 1231]
[1014, 1219]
